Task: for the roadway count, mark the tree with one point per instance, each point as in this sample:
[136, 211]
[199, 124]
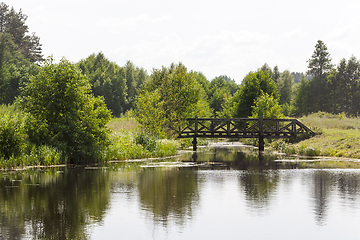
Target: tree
[284, 86]
[253, 85]
[276, 74]
[319, 66]
[108, 80]
[267, 68]
[205, 84]
[220, 88]
[320, 62]
[63, 113]
[13, 24]
[131, 84]
[266, 106]
[297, 76]
[301, 97]
[18, 51]
[345, 88]
[353, 78]
[169, 97]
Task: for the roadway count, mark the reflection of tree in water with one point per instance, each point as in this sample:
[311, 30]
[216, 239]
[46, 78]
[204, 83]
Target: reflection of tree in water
[322, 189]
[259, 186]
[349, 186]
[170, 193]
[51, 204]
[324, 185]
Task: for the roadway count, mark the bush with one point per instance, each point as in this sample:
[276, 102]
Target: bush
[12, 137]
[147, 141]
[62, 112]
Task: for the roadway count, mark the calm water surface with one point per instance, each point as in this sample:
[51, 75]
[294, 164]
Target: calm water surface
[229, 194]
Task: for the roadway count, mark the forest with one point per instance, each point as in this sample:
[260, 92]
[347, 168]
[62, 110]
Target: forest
[68, 105]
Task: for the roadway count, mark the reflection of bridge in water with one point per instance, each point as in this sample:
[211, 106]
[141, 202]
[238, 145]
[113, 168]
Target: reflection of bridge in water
[243, 128]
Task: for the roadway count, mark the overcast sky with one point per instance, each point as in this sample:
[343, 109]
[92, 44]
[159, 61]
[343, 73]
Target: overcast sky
[227, 37]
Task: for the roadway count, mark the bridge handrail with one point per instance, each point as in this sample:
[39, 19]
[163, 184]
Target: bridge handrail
[227, 128]
[243, 119]
[260, 122]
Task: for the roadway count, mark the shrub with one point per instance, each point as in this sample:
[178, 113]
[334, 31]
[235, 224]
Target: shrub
[64, 114]
[12, 137]
[148, 141]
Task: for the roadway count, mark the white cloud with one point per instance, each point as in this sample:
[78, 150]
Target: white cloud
[117, 25]
[293, 33]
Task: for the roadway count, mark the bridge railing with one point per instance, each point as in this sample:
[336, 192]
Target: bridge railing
[243, 128]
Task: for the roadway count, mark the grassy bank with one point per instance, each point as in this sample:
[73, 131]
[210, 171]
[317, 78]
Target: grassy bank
[130, 142]
[337, 136]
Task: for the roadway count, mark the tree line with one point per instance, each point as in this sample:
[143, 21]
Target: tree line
[171, 93]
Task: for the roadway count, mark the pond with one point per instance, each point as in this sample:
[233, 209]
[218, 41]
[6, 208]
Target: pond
[228, 193]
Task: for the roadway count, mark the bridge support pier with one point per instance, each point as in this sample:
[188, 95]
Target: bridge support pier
[194, 142]
[261, 144]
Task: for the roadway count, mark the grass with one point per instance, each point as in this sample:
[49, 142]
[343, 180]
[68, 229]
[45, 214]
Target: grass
[130, 142]
[124, 124]
[337, 136]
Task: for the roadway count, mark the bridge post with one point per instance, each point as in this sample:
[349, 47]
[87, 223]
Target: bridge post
[194, 142]
[261, 135]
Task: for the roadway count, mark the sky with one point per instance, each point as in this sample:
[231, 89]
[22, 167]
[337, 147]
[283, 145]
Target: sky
[227, 37]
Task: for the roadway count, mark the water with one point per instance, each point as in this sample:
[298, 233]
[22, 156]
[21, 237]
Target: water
[227, 195]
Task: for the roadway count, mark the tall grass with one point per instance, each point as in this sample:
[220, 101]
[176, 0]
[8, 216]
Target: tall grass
[337, 136]
[322, 120]
[130, 142]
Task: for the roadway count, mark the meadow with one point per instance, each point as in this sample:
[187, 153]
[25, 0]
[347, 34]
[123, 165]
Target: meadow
[336, 136]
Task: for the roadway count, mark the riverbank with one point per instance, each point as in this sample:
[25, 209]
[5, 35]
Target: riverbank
[336, 136]
[127, 141]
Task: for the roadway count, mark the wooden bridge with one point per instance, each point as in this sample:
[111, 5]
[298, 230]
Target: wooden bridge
[243, 128]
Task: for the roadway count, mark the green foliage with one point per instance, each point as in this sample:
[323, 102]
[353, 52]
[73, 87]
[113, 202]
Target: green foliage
[13, 27]
[118, 85]
[205, 84]
[12, 137]
[220, 89]
[253, 85]
[288, 110]
[320, 61]
[302, 102]
[284, 86]
[108, 80]
[136, 146]
[217, 91]
[267, 107]
[329, 89]
[150, 112]
[148, 141]
[344, 86]
[15, 149]
[58, 100]
[313, 95]
[18, 53]
[171, 95]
